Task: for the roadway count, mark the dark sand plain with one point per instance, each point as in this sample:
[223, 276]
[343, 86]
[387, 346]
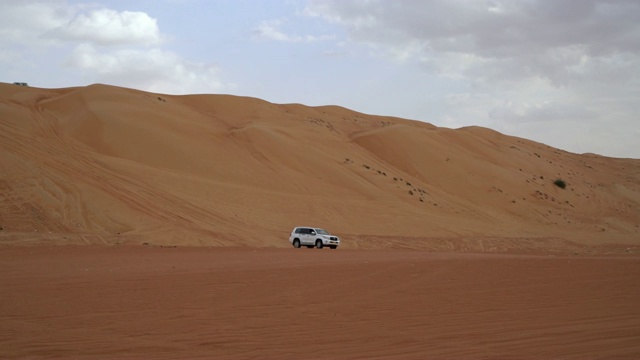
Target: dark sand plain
[151, 302]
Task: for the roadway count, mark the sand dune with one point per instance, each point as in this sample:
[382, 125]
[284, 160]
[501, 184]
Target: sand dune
[102, 164]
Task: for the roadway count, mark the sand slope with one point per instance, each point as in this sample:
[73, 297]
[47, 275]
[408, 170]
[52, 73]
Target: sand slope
[102, 164]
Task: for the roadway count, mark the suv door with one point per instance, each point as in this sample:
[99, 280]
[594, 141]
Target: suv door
[307, 236]
[299, 233]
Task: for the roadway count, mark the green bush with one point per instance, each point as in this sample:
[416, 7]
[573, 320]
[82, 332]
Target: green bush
[560, 183]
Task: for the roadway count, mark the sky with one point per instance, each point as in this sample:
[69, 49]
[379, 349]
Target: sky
[565, 73]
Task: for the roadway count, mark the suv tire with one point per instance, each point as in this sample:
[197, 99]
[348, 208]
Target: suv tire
[319, 244]
[296, 243]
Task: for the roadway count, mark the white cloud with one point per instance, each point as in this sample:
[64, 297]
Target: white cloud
[23, 23]
[110, 27]
[153, 70]
[41, 22]
[270, 29]
[540, 38]
[115, 47]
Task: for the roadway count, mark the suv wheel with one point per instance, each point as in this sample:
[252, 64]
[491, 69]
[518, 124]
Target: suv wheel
[319, 244]
[296, 243]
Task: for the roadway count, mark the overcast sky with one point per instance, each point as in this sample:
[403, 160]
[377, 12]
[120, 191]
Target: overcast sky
[562, 72]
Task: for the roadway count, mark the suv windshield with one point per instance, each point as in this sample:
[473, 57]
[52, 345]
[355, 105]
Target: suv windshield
[321, 232]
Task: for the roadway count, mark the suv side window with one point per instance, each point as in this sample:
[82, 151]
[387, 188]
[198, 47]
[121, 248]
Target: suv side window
[299, 231]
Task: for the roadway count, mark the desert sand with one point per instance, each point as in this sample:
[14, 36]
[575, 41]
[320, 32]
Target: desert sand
[136, 302]
[142, 225]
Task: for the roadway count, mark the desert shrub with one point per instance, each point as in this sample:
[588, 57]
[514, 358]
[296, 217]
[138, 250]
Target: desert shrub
[560, 183]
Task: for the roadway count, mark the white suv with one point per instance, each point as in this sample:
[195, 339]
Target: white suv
[310, 237]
